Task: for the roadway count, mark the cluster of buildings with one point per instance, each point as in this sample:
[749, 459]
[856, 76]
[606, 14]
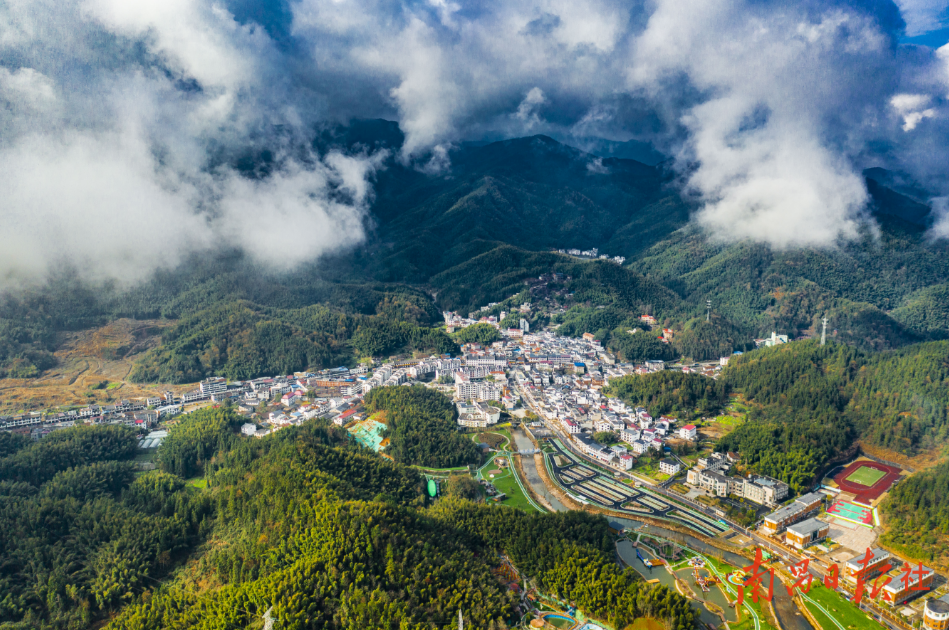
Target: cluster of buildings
[592, 253]
[455, 322]
[774, 340]
[133, 413]
[801, 509]
[477, 415]
[711, 475]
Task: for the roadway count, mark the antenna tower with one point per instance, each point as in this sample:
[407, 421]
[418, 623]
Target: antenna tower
[708, 312]
[823, 334]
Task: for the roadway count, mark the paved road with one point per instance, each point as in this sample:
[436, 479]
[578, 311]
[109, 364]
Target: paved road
[530, 471]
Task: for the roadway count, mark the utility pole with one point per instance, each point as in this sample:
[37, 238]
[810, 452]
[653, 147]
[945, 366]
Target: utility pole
[823, 334]
[708, 312]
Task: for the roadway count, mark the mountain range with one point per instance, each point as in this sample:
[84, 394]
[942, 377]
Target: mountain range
[473, 233]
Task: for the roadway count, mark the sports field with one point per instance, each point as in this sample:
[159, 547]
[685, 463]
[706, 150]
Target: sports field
[852, 512]
[867, 480]
[866, 476]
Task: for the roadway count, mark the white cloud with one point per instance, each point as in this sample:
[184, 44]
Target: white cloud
[912, 108]
[109, 163]
[527, 110]
[923, 16]
[772, 84]
[940, 227]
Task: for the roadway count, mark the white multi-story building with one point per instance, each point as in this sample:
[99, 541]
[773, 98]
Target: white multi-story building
[466, 390]
[688, 432]
[669, 466]
[213, 385]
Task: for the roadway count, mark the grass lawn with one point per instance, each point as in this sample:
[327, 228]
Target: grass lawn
[506, 483]
[842, 610]
[728, 421]
[824, 621]
[645, 623]
[505, 442]
[197, 482]
[866, 476]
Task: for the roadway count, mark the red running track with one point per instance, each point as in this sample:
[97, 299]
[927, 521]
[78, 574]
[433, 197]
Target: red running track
[863, 493]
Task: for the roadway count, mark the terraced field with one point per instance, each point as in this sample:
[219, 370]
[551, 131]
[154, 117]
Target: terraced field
[583, 481]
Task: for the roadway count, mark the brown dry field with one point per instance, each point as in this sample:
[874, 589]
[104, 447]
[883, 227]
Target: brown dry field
[86, 358]
[713, 431]
[917, 462]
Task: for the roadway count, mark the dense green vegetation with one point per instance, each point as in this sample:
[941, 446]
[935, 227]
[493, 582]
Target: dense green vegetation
[376, 337]
[422, 427]
[242, 340]
[916, 515]
[40, 461]
[684, 396]
[197, 439]
[484, 334]
[303, 523]
[812, 401]
[702, 340]
[79, 538]
[926, 310]
[571, 555]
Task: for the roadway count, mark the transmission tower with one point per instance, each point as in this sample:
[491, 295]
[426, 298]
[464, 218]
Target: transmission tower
[708, 311]
[823, 334]
[461, 621]
[268, 620]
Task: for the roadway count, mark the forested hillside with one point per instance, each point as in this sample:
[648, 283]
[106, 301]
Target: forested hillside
[303, 523]
[422, 427]
[474, 237]
[811, 401]
[242, 340]
[916, 515]
[684, 396]
[79, 537]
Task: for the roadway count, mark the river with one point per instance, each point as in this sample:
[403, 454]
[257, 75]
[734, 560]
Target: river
[787, 612]
[627, 553]
[524, 443]
[788, 615]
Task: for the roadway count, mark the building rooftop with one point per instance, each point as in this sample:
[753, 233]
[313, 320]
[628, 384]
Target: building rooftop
[807, 499]
[795, 508]
[939, 606]
[897, 585]
[669, 462]
[877, 554]
[808, 527]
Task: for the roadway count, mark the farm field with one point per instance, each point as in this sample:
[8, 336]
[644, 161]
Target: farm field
[92, 366]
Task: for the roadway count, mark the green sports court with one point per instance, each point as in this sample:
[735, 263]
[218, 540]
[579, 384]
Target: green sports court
[866, 476]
